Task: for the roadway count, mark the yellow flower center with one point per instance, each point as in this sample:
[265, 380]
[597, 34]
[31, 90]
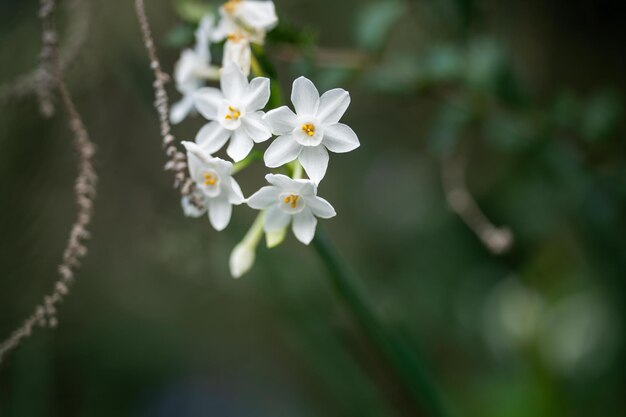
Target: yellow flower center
[231, 5]
[292, 199]
[233, 114]
[309, 129]
[210, 179]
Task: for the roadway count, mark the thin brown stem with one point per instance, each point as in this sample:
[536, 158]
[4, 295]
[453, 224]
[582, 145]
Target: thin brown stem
[176, 161]
[30, 83]
[84, 191]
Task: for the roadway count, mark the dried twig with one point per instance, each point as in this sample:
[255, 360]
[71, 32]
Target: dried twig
[177, 161]
[73, 41]
[498, 240]
[84, 189]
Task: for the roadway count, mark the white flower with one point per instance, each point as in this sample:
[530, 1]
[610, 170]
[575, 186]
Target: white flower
[288, 199]
[314, 130]
[193, 67]
[234, 112]
[242, 23]
[253, 16]
[213, 179]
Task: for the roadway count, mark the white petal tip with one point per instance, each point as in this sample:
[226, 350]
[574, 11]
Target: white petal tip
[305, 241]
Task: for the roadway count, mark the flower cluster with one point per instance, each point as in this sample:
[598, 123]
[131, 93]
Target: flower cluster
[236, 120]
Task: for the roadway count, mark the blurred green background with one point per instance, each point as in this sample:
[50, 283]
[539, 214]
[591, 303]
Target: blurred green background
[528, 93]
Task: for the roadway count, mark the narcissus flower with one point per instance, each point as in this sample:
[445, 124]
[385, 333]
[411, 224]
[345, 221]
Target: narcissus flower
[312, 131]
[235, 113]
[213, 180]
[192, 69]
[287, 200]
[243, 23]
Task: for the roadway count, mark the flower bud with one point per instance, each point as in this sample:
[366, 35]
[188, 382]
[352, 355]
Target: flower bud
[241, 259]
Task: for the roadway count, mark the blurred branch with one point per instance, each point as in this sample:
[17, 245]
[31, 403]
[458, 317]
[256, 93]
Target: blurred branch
[498, 240]
[84, 188]
[31, 82]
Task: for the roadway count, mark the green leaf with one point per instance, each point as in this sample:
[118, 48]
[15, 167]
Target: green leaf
[375, 21]
[485, 60]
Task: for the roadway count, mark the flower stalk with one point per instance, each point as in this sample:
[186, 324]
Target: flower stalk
[243, 256]
[401, 358]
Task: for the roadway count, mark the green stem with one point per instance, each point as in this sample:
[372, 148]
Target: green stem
[241, 165]
[254, 235]
[297, 170]
[401, 358]
[261, 66]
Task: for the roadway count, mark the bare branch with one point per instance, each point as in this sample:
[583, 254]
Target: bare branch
[498, 240]
[84, 191]
[29, 83]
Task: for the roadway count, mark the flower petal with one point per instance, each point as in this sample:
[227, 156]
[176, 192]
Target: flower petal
[340, 138]
[275, 219]
[333, 104]
[314, 160]
[203, 36]
[207, 101]
[240, 145]
[283, 150]
[233, 82]
[224, 27]
[259, 15]
[304, 224]
[220, 211]
[196, 160]
[212, 137]
[191, 210]
[258, 94]
[181, 109]
[287, 184]
[239, 53]
[305, 97]
[281, 181]
[256, 128]
[235, 195]
[282, 120]
[264, 198]
[320, 207]
[224, 168]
